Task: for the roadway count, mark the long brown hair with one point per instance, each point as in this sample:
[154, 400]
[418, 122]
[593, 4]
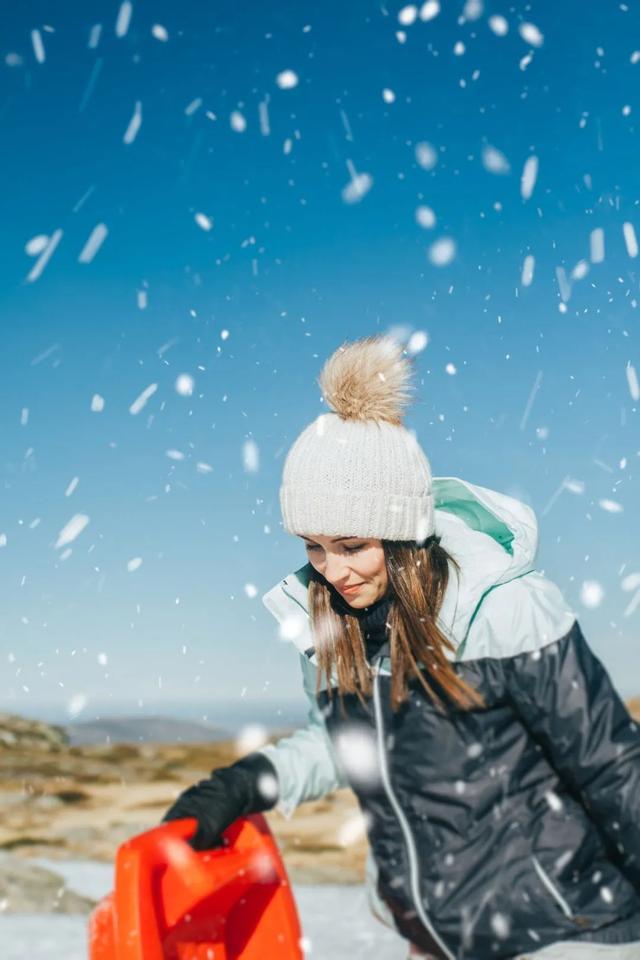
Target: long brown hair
[418, 577]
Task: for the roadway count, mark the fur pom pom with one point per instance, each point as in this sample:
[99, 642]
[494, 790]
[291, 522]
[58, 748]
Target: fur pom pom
[368, 379]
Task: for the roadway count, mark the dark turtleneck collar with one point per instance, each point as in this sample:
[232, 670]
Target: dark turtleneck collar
[372, 619]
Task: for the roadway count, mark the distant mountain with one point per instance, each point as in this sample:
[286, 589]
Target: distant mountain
[153, 729]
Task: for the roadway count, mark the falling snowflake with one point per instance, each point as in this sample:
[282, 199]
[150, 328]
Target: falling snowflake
[94, 36]
[611, 506]
[72, 529]
[494, 161]
[629, 584]
[287, 80]
[429, 10]
[124, 18]
[531, 33]
[38, 46]
[529, 177]
[426, 155]
[76, 704]
[417, 342]
[425, 217]
[630, 239]
[580, 270]
[267, 785]
[250, 456]
[591, 593]
[408, 15]
[554, 801]
[292, 626]
[632, 380]
[356, 749]
[36, 245]
[45, 256]
[500, 925]
[353, 829]
[203, 221]
[140, 402]
[573, 486]
[442, 252]
[134, 124]
[251, 737]
[184, 384]
[527, 270]
[499, 25]
[96, 239]
[596, 243]
[237, 122]
[193, 106]
[357, 188]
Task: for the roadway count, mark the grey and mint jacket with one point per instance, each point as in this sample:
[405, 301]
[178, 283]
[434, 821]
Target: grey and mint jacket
[492, 831]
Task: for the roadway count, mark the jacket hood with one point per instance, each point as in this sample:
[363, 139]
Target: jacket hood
[493, 538]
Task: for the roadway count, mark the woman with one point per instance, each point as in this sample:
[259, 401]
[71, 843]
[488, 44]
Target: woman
[451, 687]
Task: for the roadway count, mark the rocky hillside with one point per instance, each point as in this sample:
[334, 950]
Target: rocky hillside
[68, 802]
[18, 733]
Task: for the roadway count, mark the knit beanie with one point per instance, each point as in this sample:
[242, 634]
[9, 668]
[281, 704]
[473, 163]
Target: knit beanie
[357, 471]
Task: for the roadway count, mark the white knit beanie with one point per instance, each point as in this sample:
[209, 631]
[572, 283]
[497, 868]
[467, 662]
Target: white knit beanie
[358, 471]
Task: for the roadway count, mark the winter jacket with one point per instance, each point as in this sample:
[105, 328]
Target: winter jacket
[497, 830]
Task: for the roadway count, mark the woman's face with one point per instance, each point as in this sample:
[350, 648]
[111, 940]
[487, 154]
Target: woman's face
[350, 561]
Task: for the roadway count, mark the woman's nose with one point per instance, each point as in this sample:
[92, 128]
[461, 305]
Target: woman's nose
[335, 570]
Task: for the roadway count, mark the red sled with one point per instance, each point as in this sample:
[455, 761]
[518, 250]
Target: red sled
[173, 903]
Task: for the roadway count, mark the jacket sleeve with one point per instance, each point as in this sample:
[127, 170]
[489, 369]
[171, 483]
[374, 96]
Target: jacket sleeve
[565, 697]
[305, 764]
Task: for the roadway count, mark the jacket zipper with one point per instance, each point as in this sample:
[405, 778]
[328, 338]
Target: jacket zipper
[414, 865]
[551, 887]
[295, 600]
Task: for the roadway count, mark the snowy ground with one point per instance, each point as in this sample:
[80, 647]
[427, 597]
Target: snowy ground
[335, 919]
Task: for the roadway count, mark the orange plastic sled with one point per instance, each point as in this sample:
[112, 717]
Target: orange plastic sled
[173, 903]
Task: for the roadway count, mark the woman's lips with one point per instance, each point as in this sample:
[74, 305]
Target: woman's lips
[351, 589]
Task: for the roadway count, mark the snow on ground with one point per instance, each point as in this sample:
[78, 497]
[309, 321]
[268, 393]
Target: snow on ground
[335, 919]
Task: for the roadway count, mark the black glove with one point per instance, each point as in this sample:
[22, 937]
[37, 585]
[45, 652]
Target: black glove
[248, 786]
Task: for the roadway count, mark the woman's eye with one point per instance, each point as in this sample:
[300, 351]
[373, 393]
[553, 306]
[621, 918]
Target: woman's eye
[315, 546]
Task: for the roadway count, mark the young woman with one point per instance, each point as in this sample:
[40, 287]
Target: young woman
[451, 687]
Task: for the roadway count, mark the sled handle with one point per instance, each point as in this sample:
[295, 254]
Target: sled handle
[138, 863]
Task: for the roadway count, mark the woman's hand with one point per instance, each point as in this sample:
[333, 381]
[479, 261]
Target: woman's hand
[248, 786]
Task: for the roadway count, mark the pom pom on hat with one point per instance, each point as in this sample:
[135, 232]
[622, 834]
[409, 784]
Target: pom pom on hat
[368, 380]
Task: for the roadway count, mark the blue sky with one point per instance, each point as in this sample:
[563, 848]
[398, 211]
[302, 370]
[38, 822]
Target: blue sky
[521, 385]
